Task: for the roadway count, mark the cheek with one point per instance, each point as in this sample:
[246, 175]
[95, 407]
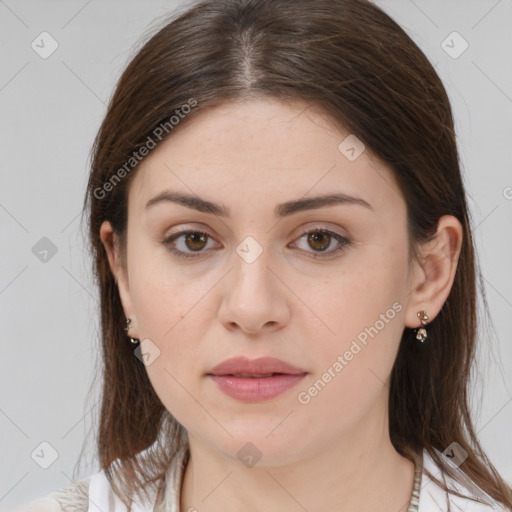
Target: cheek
[352, 368]
[364, 313]
[162, 292]
[352, 301]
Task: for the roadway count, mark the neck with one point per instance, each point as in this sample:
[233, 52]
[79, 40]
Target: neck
[358, 474]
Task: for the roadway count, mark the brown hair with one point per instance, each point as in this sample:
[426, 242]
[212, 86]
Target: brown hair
[351, 60]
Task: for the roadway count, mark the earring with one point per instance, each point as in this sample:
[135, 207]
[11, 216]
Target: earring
[127, 328]
[422, 332]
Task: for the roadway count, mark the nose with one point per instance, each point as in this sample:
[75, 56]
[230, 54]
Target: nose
[254, 298]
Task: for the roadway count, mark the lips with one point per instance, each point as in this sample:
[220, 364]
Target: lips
[255, 380]
[255, 368]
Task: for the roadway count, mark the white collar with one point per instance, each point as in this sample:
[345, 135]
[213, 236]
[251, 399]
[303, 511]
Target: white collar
[433, 498]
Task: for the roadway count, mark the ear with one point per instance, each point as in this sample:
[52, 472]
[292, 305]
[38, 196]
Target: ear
[435, 272]
[117, 263]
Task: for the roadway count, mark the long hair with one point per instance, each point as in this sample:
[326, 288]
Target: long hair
[354, 62]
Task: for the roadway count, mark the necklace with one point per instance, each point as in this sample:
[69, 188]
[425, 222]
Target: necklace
[170, 498]
[415, 496]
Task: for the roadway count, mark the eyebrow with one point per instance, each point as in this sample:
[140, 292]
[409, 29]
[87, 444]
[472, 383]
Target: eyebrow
[281, 210]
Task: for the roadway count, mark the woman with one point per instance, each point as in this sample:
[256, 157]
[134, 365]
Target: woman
[287, 272]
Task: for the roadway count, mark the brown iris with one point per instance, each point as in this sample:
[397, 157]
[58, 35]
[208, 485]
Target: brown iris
[319, 240]
[191, 239]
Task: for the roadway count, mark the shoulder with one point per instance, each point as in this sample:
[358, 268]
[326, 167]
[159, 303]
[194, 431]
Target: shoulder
[433, 498]
[95, 494]
[46, 504]
[71, 498]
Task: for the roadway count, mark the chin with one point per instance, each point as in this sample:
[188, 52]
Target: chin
[252, 444]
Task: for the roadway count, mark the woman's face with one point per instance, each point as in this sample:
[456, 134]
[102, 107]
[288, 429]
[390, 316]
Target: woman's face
[263, 282]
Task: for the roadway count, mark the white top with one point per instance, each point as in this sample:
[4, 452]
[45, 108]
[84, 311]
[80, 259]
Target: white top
[100, 497]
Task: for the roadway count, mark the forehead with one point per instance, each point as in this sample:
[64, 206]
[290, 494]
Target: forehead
[261, 152]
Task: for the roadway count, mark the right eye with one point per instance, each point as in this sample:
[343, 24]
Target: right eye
[193, 241]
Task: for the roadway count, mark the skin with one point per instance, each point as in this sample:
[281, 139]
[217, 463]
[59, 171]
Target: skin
[333, 453]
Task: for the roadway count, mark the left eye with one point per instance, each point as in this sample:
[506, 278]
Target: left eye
[320, 240]
[195, 241]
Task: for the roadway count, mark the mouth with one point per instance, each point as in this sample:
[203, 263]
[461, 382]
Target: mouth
[256, 388]
[254, 375]
[255, 368]
[255, 380]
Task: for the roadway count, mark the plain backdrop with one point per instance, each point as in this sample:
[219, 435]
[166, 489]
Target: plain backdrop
[51, 109]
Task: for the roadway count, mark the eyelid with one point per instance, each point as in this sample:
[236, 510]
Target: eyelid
[342, 240]
[168, 240]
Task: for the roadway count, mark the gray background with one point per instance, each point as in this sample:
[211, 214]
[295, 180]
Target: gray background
[50, 111]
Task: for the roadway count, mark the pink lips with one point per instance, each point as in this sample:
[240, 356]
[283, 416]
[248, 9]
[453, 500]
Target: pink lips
[257, 379]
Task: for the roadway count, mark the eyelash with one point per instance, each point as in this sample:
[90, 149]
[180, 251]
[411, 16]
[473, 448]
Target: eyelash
[343, 243]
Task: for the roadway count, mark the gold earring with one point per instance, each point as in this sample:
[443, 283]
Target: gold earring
[127, 328]
[422, 332]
